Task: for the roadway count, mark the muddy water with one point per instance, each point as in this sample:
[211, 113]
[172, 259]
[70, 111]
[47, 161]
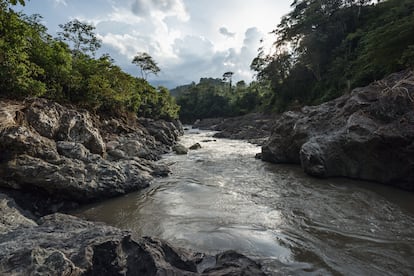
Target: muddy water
[219, 197]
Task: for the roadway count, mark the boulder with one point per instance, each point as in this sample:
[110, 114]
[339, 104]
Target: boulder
[56, 122]
[367, 134]
[196, 146]
[180, 149]
[253, 126]
[60, 151]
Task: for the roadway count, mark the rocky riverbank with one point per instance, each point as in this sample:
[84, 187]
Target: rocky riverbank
[367, 134]
[53, 158]
[66, 154]
[254, 127]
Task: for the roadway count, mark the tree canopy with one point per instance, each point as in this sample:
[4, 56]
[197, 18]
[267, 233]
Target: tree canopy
[323, 48]
[146, 64]
[33, 63]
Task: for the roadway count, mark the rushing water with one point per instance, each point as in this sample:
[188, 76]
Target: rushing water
[220, 197]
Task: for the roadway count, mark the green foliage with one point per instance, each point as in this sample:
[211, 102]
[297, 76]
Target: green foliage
[81, 36]
[146, 64]
[18, 74]
[326, 47]
[32, 63]
[212, 98]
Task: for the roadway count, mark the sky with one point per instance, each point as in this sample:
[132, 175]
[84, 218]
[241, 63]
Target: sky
[189, 39]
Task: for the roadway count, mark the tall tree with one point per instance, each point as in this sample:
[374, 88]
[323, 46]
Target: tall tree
[228, 76]
[81, 35]
[146, 64]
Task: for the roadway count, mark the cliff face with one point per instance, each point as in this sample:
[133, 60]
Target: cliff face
[367, 134]
[69, 154]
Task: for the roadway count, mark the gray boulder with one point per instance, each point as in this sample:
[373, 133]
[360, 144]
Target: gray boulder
[69, 154]
[56, 122]
[367, 134]
[180, 149]
[196, 146]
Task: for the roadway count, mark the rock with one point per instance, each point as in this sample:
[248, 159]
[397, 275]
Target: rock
[56, 122]
[247, 127]
[61, 152]
[180, 149]
[65, 245]
[208, 140]
[12, 216]
[196, 146]
[367, 134]
[163, 131]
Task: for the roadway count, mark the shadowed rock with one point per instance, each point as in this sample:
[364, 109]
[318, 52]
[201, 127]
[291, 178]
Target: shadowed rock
[367, 134]
[69, 154]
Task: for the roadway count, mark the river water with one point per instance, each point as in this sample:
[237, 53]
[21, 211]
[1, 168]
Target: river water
[220, 197]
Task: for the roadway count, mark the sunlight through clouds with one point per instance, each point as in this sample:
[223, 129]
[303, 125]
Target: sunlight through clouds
[188, 39]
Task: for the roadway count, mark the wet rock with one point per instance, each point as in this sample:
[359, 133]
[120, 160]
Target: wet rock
[180, 149]
[208, 140]
[196, 146]
[367, 134]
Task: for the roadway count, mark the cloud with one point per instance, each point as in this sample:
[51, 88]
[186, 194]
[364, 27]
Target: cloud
[224, 31]
[193, 46]
[160, 8]
[61, 2]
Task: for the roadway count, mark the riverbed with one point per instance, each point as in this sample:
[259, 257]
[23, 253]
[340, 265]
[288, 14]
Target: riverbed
[220, 197]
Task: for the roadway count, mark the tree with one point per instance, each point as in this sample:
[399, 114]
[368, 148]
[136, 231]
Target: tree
[17, 72]
[147, 65]
[81, 35]
[228, 77]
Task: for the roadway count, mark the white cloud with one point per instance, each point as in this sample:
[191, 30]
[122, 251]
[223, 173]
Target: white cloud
[188, 39]
[160, 8]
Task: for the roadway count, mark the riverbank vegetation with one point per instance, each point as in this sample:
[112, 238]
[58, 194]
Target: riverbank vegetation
[66, 69]
[322, 49]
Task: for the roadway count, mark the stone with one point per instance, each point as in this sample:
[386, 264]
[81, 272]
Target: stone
[61, 151]
[196, 146]
[180, 149]
[252, 127]
[367, 134]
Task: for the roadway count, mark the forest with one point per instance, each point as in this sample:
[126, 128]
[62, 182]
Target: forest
[322, 49]
[65, 69]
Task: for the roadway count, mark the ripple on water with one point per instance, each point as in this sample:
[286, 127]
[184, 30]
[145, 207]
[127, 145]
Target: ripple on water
[219, 197]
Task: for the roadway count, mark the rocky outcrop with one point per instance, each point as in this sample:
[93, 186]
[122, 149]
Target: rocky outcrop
[254, 127]
[70, 154]
[60, 244]
[367, 134]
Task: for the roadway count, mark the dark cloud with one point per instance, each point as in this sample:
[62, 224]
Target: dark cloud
[224, 31]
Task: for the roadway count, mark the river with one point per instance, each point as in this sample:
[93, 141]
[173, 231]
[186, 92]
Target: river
[220, 197]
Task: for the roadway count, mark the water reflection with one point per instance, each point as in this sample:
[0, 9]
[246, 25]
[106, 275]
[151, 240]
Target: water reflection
[220, 197]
